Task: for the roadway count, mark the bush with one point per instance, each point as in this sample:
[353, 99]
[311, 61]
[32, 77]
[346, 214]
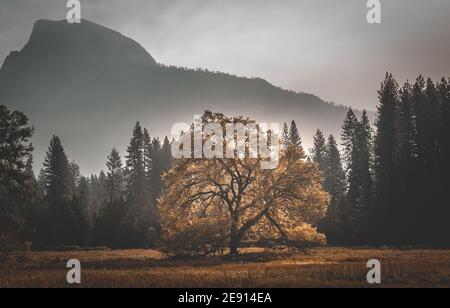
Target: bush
[306, 235]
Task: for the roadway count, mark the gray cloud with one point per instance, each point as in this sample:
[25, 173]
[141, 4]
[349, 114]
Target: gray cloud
[317, 46]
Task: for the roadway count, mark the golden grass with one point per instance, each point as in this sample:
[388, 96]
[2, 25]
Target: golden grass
[320, 267]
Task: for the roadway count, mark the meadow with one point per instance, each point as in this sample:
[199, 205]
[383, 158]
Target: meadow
[255, 268]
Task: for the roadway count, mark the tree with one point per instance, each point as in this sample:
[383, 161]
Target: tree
[148, 153]
[135, 167]
[443, 161]
[157, 169]
[32, 197]
[360, 192]
[319, 151]
[60, 183]
[222, 202]
[335, 185]
[15, 154]
[141, 215]
[114, 185]
[294, 135]
[405, 174]
[348, 135]
[58, 225]
[76, 175]
[384, 156]
[166, 153]
[107, 230]
[429, 149]
[81, 206]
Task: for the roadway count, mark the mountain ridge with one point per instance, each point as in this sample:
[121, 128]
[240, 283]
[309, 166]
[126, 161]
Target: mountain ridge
[89, 84]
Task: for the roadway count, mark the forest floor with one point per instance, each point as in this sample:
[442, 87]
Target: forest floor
[259, 268]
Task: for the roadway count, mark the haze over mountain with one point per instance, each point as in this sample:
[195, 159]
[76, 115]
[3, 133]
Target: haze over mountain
[89, 85]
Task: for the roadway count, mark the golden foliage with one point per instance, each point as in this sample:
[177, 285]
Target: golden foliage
[211, 203]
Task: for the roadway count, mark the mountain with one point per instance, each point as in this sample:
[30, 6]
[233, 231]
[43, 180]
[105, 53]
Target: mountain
[89, 85]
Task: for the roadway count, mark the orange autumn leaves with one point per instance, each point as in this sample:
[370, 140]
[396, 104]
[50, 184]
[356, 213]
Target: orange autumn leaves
[213, 204]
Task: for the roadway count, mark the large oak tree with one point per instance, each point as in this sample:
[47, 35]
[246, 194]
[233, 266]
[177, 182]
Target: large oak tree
[212, 203]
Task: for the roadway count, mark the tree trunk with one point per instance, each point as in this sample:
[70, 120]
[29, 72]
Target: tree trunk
[234, 240]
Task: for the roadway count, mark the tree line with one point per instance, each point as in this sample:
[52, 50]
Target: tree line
[386, 185]
[60, 207]
[389, 186]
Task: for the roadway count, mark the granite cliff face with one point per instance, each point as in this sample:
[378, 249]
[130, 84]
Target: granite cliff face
[89, 85]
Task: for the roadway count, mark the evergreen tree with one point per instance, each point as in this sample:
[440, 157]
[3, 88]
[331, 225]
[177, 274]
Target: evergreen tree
[32, 197]
[135, 166]
[334, 171]
[319, 151]
[96, 198]
[103, 183]
[405, 173]
[81, 207]
[76, 175]
[157, 169]
[348, 135]
[141, 216]
[444, 161]
[359, 195]
[294, 135]
[108, 230]
[384, 157]
[148, 155]
[429, 137]
[60, 183]
[115, 176]
[41, 180]
[335, 185]
[58, 225]
[167, 159]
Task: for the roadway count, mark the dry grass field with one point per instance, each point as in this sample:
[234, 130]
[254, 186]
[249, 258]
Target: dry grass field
[320, 267]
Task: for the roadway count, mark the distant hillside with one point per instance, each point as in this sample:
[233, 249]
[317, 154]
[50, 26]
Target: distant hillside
[89, 85]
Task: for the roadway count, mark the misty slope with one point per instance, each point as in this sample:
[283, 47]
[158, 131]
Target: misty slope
[89, 85]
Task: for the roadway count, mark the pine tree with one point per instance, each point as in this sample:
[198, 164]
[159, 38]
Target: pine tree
[405, 173]
[431, 118]
[32, 197]
[334, 171]
[369, 134]
[432, 126]
[60, 183]
[384, 157]
[76, 175]
[81, 207]
[348, 135]
[58, 225]
[148, 153]
[141, 216]
[135, 166]
[443, 160]
[294, 135]
[319, 151]
[115, 176]
[103, 183]
[167, 159]
[359, 195]
[335, 185]
[157, 169]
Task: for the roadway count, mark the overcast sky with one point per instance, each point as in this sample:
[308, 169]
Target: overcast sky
[324, 47]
